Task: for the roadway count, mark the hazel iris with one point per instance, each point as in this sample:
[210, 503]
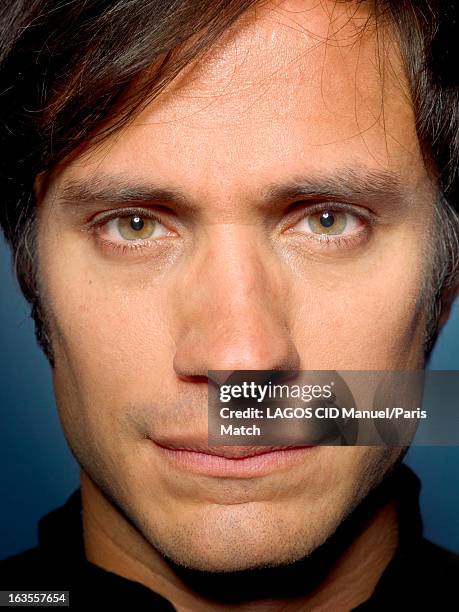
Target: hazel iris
[136, 227]
[327, 222]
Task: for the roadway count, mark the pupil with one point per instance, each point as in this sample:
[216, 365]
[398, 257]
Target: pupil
[327, 219]
[137, 223]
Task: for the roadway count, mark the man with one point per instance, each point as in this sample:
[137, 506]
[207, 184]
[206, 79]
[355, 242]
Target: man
[229, 186]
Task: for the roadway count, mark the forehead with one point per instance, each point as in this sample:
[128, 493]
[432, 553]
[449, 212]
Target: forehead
[293, 87]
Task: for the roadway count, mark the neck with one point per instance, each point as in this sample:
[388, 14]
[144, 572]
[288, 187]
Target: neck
[340, 574]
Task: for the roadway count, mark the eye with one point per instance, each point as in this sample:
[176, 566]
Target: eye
[328, 222]
[133, 227]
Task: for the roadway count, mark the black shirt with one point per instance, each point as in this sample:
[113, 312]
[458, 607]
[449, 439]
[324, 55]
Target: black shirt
[420, 576]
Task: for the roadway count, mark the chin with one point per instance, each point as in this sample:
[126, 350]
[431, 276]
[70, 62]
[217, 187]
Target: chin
[236, 558]
[245, 536]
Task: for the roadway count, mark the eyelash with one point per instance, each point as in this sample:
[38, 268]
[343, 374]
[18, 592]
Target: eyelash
[325, 240]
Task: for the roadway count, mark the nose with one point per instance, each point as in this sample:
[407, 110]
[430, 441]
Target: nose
[233, 308]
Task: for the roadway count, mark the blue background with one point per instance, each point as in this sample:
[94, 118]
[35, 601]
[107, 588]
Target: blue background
[38, 471]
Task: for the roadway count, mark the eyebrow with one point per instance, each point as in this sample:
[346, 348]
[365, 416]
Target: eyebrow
[353, 184]
[113, 189]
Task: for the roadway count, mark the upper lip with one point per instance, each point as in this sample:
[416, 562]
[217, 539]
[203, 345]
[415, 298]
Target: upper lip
[229, 452]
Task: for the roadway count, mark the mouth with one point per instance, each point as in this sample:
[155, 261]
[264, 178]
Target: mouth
[229, 461]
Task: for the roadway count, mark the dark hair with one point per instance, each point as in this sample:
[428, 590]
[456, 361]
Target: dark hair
[66, 67]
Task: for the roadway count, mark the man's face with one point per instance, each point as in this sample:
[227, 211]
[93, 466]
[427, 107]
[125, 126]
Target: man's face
[231, 265]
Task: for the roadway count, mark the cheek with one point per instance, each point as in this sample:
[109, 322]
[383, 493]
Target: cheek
[110, 341]
[363, 316]
[112, 352]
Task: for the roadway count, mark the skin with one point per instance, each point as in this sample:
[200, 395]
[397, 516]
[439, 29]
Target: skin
[238, 282]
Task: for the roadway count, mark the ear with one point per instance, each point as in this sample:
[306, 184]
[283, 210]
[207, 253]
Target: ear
[447, 299]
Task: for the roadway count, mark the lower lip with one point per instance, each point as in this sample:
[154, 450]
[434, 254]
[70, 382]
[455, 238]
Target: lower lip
[240, 467]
